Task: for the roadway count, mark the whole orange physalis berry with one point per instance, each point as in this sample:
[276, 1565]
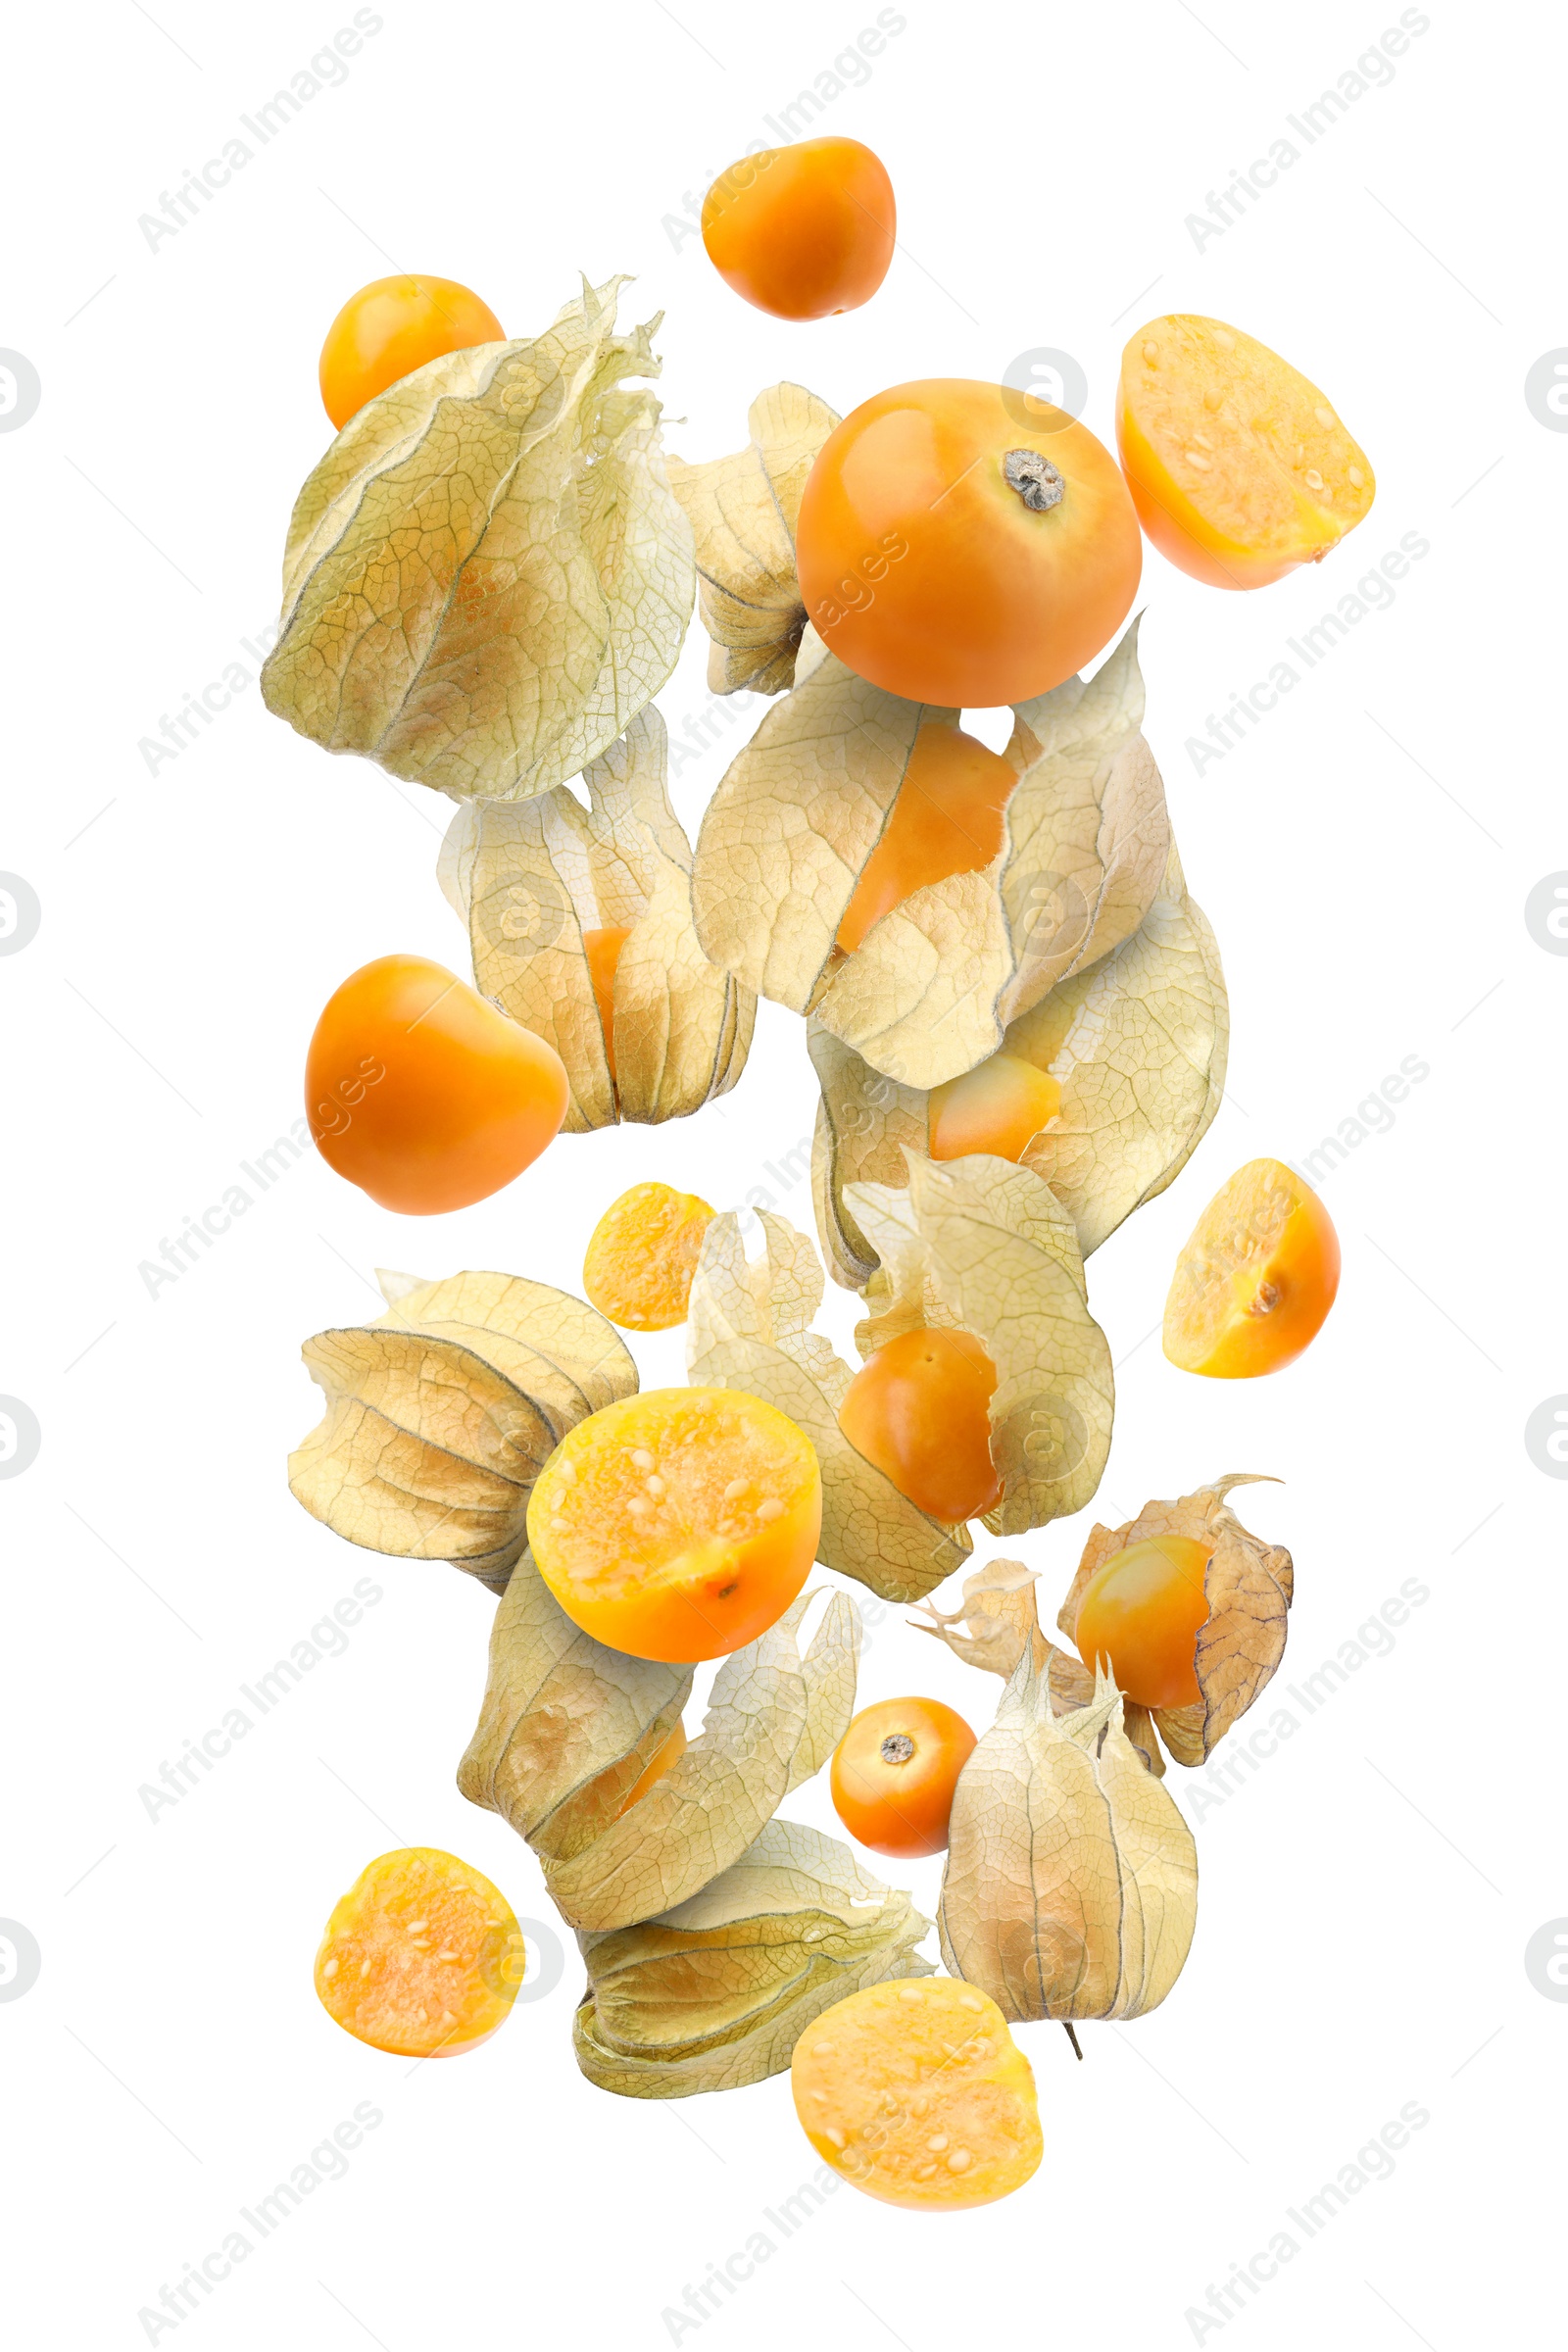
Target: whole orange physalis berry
[894, 1771]
[1140, 1616]
[422, 1093]
[392, 326]
[920, 1410]
[802, 231]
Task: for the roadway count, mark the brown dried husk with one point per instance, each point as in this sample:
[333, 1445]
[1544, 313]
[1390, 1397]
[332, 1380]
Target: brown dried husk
[488, 575]
[1137, 1044]
[935, 983]
[527, 878]
[442, 1412]
[568, 1726]
[743, 512]
[716, 1992]
[1249, 1585]
[1070, 1889]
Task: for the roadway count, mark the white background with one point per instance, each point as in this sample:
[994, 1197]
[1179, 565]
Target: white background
[1368, 1893]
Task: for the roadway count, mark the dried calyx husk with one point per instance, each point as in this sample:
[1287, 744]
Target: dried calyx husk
[937, 980]
[749, 1328]
[488, 575]
[743, 510]
[442, 1412]
[1137, 1043]
[567, 1728]
[716, 1992]
[1070, 1889]
[1249, 1585]
[534, 880]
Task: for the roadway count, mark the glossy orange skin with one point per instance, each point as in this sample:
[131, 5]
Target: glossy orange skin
[1256, 1281]
[1140, 1613]
[423, 1095]
[1239, 470]
[699, 1562]
[392, 326]
[947, 819]
[900, 1803]
[999, 1107]
[602, 950]
[924, 570]
[802, 231]
[919, 1411]
[422, 1956]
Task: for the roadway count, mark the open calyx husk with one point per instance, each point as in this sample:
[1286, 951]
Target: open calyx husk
[488, 575]
[532, 880]
[1247, 1584]
[568, 1726]
[1137, 1043]
[1070, 1889]
[715, 1992]
[441, 1413]
[743, 512]
[937, 980]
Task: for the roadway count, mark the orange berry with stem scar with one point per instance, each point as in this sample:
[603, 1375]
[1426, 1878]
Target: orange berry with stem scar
[894, 1771]
[1141, 1615]
[1256, 1278]
[945, 819]
[920, 1410]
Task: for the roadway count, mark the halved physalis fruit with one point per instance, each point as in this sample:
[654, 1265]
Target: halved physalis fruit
[947, 819]
[894, 1771]
[916, 2092]
[1140, 1616]
[421, 1957]
[1238, 468]
[642, 1255]
[678, 1525]
[920, 1410]
[1256, 1278]
[999, 1106]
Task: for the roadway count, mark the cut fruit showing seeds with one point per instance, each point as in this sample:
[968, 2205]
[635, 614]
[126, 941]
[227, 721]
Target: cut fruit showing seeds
[422, 1956]
[641, 1255]
[1257, 1278]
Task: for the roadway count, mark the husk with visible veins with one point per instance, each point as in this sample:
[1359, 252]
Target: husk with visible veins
[984, 1246]
[442, 1412]
[567, 1727]
[934, 984]
[1249, 1585]
[488, 575]
[998, 1617]
[1070, 1889]
[716, 1992]
[1138, 1043]
[749, 1328]
[743, 512]
[527, 878]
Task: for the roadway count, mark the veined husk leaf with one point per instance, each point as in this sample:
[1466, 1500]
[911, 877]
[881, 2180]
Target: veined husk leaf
[1071, 1882]
[984, 1246]
[488, 575]
[441, 1413]
[1249, 1585]
[530, 877]
[998, 1618]
[743, 512]
[748, 1327]
[935, 982]
[1138, 1043]
[716, 1992]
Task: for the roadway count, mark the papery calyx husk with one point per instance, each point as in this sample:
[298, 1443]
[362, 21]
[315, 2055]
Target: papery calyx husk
[1137, 1043]
[1070, 1889]
[488, 575]
[568, 1726]
[935, 982]
[1249, 1585]
[528, 878]
[743, 512]
[982, 1247]
[716, 1992]
[441, 1413]
[749, 1328]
